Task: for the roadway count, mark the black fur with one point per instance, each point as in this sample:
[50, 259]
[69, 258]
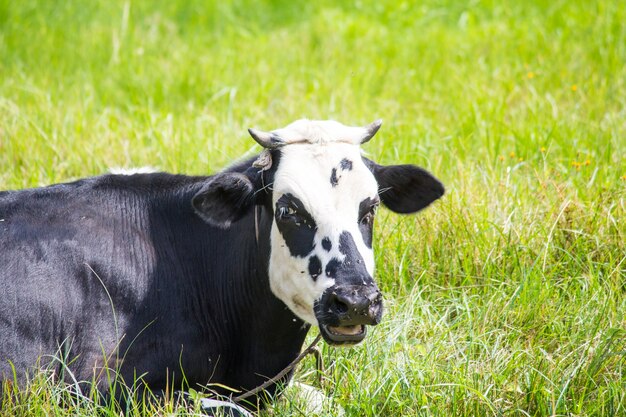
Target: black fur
[333, 177]
[367, 208]
[297, 229]
[161, 276]
[120, 272]
[352, 270]
[346, 164]
[315, 267]
[405, 188]
[224, 199]
[332, 266]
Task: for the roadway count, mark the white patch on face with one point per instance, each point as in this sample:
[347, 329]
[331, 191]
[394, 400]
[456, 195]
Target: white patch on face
[305, 172]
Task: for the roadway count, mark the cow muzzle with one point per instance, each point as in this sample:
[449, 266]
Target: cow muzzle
[343, 312]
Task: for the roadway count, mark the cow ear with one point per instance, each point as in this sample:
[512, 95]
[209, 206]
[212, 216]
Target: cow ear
[405, 188]
[224, 199]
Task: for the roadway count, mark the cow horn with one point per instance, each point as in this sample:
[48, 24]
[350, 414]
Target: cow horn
[370, 130]
[268, 140]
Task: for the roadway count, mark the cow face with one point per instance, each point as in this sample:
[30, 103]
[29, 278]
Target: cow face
[324, 197]
[321, 263]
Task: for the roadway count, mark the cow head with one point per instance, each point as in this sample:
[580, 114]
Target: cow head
[323, 195]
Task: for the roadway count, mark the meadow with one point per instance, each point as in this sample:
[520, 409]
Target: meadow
[505, 298]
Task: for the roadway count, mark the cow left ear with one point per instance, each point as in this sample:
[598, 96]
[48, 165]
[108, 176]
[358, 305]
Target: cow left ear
[405, 188]
[224, 199]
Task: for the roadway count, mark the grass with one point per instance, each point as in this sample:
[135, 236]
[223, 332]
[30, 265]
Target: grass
[505, 298]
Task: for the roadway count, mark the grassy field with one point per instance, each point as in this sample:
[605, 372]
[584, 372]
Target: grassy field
[507, 297]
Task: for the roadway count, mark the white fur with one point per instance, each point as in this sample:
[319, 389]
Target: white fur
[304, 171]
[321, 132]
[132, 171]
[313, 401]
[222, 406]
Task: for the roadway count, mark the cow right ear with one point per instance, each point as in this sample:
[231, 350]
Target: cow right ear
[224, 199]
[405, 188]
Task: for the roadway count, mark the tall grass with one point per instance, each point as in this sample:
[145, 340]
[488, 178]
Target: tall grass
[504, 298]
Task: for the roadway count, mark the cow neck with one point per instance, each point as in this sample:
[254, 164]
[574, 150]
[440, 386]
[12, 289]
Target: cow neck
[271, 336]
[267, 335]
[286, 324]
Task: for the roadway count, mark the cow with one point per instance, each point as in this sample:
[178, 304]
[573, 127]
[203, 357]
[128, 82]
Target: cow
[200, 282]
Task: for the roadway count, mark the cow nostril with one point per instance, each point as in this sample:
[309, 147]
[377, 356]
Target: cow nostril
[341, 307]
[355, 305]
[338, 304]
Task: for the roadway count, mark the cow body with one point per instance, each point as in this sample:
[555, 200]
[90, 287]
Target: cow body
[201, 282]
[113, 271]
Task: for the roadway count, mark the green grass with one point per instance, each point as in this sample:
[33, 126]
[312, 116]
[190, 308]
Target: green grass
[507, 297]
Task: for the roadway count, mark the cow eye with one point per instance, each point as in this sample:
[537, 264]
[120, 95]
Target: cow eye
[368, 218]
[291, 212]
[288, 213]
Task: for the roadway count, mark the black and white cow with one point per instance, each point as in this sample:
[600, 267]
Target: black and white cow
[196, 281]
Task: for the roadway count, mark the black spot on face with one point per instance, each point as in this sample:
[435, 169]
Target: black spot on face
[315, 267]
[333, 177]
[295, 224]
[347, 246]
[344, 165]
[367, 209]
[332, 266]
[352, 270]
[326, 244]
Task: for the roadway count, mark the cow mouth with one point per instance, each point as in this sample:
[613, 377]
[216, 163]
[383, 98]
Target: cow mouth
[343, 335]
